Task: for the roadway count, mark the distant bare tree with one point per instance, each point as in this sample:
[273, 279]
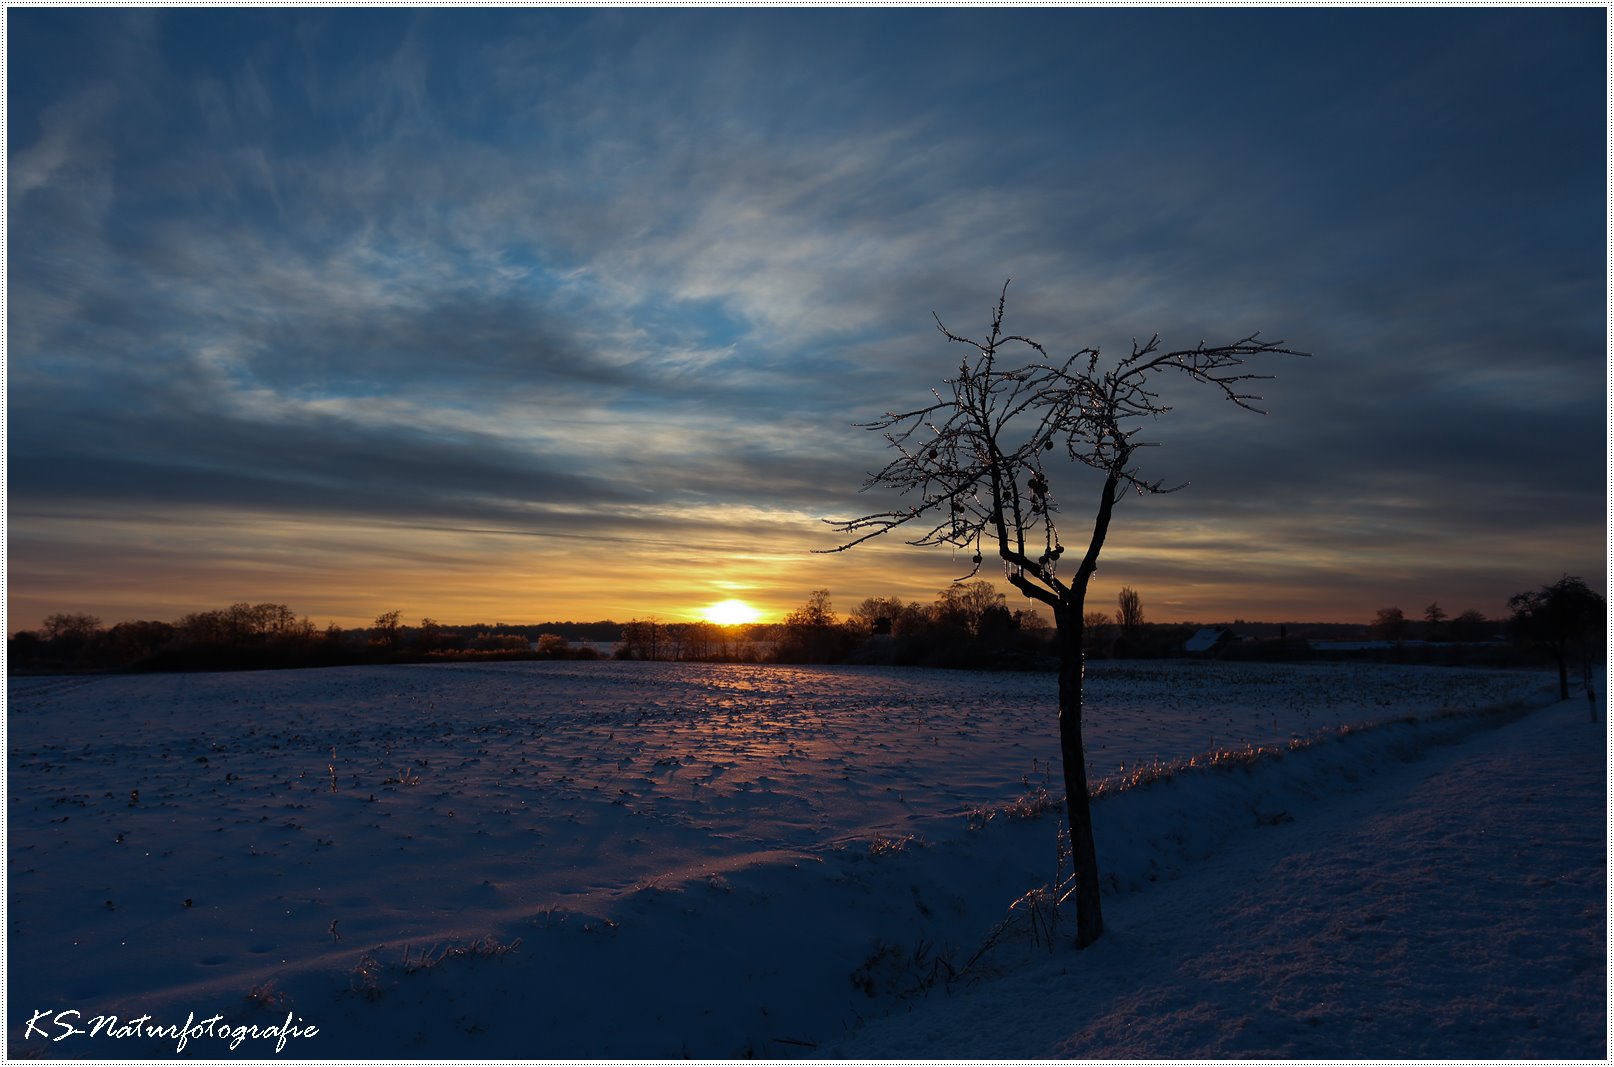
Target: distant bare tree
[1471, 625]
[641, 639]
[878, 614]
[384, 631]
[70, 626]
[1563, 617]
[72, 636]
[1389, 624]
[816, 613]
[981, 461]
[1129, 610]
[1031, 623]
[1434, 621]
[968, 603]
[812, 633]
[1096, 636]
[552, 646]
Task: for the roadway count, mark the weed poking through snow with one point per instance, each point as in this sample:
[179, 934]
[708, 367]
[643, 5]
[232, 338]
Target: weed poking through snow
[482, 947]
[891, 971]
[887, 846]
[1034, 803]
[366, 978]
[265, 996]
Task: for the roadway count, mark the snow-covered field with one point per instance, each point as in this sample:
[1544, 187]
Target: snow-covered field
[609, 860]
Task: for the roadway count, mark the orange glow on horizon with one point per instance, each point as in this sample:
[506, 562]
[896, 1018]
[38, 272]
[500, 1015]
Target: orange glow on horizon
[730, 613]
[164, 565]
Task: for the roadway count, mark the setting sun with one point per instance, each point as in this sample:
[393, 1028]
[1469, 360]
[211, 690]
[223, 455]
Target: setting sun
[730, 613]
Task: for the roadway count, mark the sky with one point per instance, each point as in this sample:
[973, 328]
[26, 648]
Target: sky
[529, 315]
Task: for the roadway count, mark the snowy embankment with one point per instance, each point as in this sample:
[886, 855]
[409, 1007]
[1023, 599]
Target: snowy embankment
[1453, 907]
[630, 860]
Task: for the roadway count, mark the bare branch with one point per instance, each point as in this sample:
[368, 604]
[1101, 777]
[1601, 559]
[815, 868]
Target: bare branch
[979, 467]
[979, 462]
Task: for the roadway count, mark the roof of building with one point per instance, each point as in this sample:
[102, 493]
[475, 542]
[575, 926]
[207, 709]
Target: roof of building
[1204, 640]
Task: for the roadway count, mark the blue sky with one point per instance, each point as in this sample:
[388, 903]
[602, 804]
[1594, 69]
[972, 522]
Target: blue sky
[538, 314]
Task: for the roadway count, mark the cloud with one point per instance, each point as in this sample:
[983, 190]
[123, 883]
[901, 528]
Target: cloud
[542, 272]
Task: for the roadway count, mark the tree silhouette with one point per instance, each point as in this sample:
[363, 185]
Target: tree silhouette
[385, 630]
[812, 633]
[982, 461]
[1471, 625]
[1129, 610]
[70, 627]
[1389, 624]
[1562, 617]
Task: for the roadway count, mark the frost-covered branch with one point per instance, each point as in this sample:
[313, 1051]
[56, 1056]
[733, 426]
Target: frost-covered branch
[979, 462]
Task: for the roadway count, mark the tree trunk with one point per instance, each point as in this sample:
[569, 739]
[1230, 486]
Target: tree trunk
[1586, 679]
[1084, 857]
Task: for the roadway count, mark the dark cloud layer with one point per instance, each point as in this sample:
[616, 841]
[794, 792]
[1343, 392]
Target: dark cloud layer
[490, 267]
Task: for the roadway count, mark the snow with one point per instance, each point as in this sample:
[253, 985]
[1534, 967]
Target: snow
[1451, 907]
[1203, 640]
[614, 860]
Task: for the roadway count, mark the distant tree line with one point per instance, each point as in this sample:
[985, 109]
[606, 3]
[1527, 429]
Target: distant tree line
[1561, 624]
[968, 625]
[268, 636]
[1392, 624]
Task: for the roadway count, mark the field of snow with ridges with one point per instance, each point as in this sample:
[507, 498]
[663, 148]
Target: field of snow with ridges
[615, 859]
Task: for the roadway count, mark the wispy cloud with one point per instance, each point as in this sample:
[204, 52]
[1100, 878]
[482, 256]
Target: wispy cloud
[616, 275]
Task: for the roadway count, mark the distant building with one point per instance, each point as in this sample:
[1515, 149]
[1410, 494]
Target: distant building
[1208, 640]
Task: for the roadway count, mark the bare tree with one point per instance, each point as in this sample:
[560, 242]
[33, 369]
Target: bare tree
[880, 614]
[1471, 625]
[968, 603]
[641, 639]
[1434, 621]
[1389, 624]
[812, 633]
[384, 631]
[1129, 610]
[981, 461]
[1097, 638]
[1563, 617]
[70, 627]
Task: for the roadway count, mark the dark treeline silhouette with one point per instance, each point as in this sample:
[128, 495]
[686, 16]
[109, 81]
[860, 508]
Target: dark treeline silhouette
[971, 626]
[271, 636]
[698, 642]
[967, 626]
